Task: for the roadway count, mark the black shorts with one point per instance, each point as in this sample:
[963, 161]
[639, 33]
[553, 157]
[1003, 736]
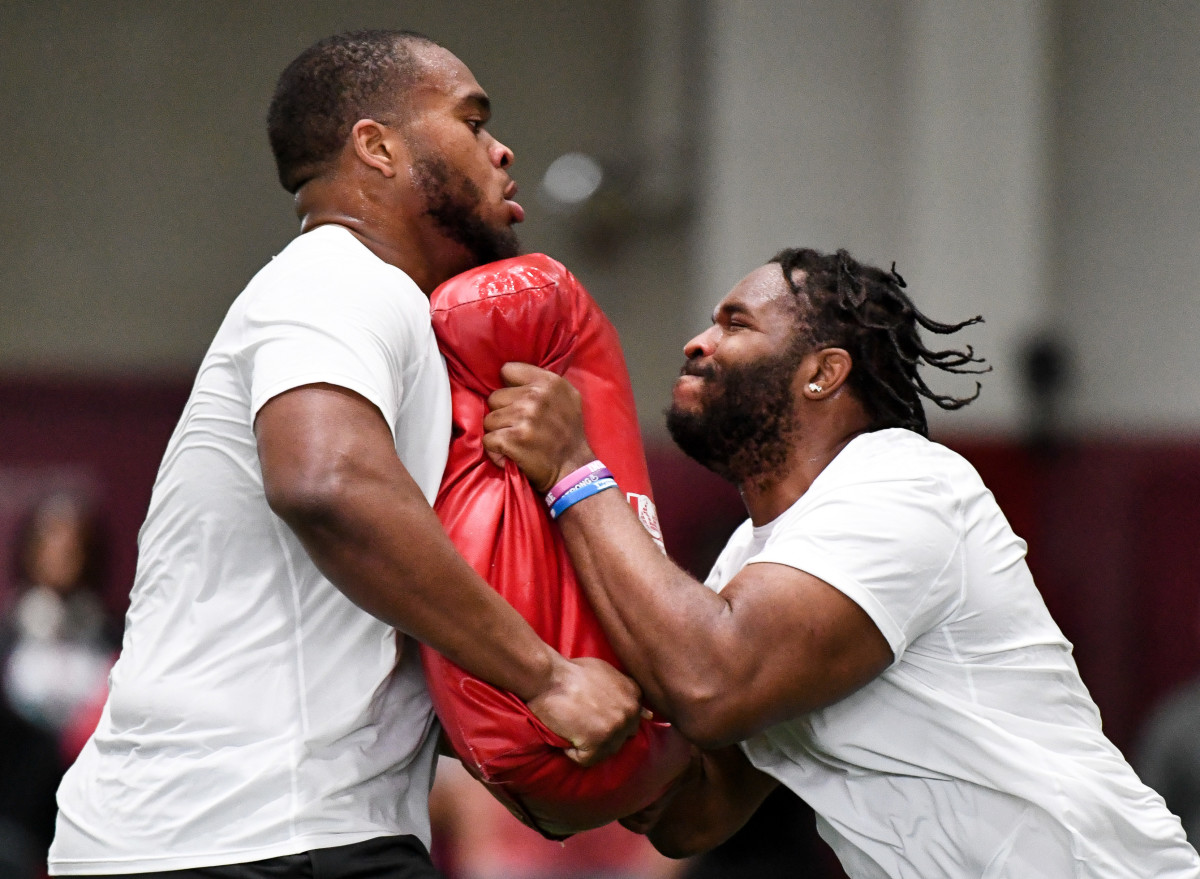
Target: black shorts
[386, 857]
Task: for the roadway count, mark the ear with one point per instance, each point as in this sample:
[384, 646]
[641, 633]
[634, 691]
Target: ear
[823, 372]
[378, 146]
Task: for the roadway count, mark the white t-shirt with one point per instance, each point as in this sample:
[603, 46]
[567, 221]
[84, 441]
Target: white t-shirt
[255, 711]
[979, 752]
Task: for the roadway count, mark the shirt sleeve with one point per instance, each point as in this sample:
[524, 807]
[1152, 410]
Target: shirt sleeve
[322, 328]
[891, 545]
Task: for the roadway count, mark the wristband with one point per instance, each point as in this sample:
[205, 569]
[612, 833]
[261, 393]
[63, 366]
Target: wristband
[580, 492]
[574, 478]
[590, 479]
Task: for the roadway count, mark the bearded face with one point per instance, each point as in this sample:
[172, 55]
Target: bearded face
[452, 201]
[743, 426]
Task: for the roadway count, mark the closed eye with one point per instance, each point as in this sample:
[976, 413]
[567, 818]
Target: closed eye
[733, 316]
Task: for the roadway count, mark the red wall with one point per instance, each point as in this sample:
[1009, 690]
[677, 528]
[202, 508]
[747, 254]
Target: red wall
[1113, 525]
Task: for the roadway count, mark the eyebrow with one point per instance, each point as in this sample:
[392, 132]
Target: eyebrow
[478, 101]
[728, 309]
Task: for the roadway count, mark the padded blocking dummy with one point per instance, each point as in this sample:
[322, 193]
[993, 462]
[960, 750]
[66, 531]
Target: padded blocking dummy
[531, 309]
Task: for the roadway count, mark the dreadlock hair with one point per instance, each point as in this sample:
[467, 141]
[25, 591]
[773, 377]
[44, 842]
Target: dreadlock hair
[865, 310]
[329, 87]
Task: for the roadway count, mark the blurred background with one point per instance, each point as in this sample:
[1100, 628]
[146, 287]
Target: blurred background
[1033, 161]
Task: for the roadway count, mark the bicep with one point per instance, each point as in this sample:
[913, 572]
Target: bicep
[800, 644]
[331, 472]
[313, 438]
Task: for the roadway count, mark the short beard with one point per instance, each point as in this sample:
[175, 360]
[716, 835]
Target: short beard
[452, 201]
[745, 429]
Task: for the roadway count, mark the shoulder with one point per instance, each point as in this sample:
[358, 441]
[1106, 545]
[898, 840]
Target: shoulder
[898, 450]
[884, 488]
[898, 463]
[334, 249]
[328, 270]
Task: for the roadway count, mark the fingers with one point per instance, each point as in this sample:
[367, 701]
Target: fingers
[536, 422]
[592, 705]
[522, 382]
[505, 397]
[627, 715]
[532, 386]
[586, 755]
[517, 374]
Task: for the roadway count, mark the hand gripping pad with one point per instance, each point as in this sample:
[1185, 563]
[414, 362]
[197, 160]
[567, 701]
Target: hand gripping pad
[531, 309]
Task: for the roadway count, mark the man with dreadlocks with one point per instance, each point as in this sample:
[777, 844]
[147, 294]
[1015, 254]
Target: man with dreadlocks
[871, 638]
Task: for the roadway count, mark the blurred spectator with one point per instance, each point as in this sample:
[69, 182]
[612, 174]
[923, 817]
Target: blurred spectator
[1167, 755]
[30, 769]
[475, 837]
[57, 641]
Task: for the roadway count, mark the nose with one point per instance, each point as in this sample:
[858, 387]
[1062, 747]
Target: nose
[702, 345]
[501, 155]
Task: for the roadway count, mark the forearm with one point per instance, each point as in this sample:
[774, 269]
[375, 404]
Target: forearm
[661, 623]
[670, 632]
[775, 643]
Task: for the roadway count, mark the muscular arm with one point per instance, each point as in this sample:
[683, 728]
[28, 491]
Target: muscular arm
[331, 472]
[775, 643]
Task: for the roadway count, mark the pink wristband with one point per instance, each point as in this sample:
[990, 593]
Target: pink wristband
[572, 479]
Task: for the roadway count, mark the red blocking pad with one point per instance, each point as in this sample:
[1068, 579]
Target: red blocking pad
[531, 309]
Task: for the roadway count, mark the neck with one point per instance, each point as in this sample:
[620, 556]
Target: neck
[815, 447]
[387, 231]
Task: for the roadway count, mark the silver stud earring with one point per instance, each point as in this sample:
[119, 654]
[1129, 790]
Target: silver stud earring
[814, 388]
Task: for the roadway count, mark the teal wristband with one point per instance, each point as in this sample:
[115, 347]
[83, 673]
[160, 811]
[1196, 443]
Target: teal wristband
[580, 492]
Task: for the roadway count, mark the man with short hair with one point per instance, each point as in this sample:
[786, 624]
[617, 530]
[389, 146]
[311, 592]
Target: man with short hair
[268, 715]
[871, 638]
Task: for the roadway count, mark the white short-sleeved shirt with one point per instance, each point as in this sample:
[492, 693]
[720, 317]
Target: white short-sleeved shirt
[979, 752]
[254, 710]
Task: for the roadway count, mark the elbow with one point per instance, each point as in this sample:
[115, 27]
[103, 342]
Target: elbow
[708, 718]
[709, 733]
[306, 500]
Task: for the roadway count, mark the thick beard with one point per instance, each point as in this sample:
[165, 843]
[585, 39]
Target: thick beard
[744, 428]
[452, 200]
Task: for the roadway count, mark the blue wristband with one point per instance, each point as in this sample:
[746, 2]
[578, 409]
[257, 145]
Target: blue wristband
[587, 473]
[580, 492]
